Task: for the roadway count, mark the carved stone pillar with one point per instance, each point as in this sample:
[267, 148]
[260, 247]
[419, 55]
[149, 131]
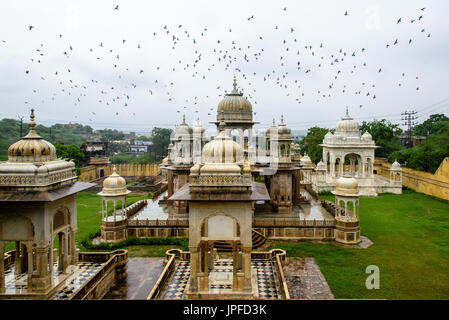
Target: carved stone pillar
[193, 269]
[41, 279]
[246, 267]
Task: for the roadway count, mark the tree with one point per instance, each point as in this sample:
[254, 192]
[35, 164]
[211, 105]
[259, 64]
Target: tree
[110, 135]
[71, 152]
[429, 154]
[432, 125]
[161, 140]
[311, 143]
[385, 134]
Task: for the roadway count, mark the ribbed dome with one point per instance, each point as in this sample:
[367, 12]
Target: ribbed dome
[283, 129]
[183, 128]
[222, 149]
[234, 107]
[114, 185]
[348, 124]
[346, 186]
[32, 147]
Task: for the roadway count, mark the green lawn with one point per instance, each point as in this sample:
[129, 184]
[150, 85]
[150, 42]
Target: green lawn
[411, 248]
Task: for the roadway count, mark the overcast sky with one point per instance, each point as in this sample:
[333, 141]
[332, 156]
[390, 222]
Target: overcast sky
[91, 87]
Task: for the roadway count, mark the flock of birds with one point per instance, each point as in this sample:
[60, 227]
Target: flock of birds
[231, 57]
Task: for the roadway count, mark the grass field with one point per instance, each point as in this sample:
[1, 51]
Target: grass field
[411, 248]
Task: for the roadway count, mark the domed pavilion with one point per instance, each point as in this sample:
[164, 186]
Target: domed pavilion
[38, 195]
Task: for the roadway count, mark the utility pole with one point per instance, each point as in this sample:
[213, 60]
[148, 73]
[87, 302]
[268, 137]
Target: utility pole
[21, 125]
[409, 117]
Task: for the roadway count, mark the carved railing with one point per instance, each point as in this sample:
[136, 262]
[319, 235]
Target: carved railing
[166, 273]
[159, 223]
[257, 223]
[134, 208]
[278, 257]
[115, 258]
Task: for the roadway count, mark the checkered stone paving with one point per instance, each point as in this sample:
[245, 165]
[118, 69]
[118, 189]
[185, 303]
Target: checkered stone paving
[178, 282]
[266, 284]
[83, 273]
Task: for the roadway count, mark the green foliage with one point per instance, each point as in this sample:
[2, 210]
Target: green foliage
[118, 147]
[385, 134]
[132, 241]
[71, 152]
[311, 143]
[161, 140]
[429, 154]
[325, 193]
[143, 138]
[432, 125]
[110, 135]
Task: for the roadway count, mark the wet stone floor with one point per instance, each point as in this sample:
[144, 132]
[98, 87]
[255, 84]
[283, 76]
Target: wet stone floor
[143, 274]
[220, 279]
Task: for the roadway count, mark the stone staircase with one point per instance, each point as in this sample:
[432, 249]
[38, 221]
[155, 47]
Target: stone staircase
[258, 240]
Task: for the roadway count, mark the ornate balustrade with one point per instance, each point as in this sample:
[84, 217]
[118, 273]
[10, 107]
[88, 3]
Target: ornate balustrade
[117, 260]
[159, 223]
[286, 222]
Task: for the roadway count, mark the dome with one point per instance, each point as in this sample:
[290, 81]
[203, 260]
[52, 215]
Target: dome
[283, 129]
[183, 128]
[396, 166]
[321, 166]
[346, 186]
[348, 124]
[305, 161]
[114, 185]
[234, 107]
[367, 136]
[222, 149]
[328, 135]
[32, 147]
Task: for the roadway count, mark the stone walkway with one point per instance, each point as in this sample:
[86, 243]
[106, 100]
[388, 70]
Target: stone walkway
[142, 275]
[305, 280]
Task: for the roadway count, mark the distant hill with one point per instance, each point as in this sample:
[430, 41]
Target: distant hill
[59, 133]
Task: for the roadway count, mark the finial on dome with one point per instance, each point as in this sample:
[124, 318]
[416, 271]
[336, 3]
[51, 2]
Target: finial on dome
[347, 111]
[274, 122]
[184, 118]
[235, 83]
[32, 124]
[221, 126]
[282, 119]
[114, 169]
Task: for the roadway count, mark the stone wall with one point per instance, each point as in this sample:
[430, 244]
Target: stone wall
[94, 172]
[436, 184]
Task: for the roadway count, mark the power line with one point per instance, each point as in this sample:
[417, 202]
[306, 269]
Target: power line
[409, 117]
